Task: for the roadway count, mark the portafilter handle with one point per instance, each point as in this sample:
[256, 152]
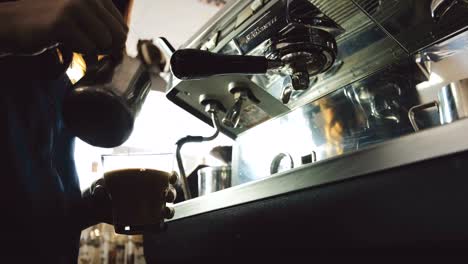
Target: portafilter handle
[189, 64]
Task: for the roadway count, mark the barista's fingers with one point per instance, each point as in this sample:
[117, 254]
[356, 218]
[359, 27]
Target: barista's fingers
[171, 194]
[97, 184]
[115, 27]
[95, 29]
[115, 12]
[76, 39]
[101, 192]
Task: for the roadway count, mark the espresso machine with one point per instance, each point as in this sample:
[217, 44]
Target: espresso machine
[310, 77]
[332, 105]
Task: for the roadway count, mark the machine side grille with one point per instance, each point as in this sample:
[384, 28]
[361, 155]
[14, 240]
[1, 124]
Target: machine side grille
[347, 15]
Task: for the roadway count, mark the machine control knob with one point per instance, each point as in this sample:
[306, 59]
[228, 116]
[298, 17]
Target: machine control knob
[169, 212]
[171, 195]
[173, 178]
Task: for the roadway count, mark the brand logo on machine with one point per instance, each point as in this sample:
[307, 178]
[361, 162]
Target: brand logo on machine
[259, 30]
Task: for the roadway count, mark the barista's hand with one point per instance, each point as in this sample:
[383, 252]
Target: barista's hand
[98, 203]
[85, 26]
[102, 202]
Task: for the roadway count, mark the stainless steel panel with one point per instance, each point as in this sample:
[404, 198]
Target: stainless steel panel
[213, 179]
[218, 88]
[411, 22]
[364, 113]
[353, 119]
[447, 64]
[363, 49]
[406, 150]
[454, 102]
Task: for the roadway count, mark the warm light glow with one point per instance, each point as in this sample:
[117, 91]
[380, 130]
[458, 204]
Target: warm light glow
[77, 68]
[75, 74]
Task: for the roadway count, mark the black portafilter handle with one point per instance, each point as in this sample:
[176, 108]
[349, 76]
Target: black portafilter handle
[189, 64]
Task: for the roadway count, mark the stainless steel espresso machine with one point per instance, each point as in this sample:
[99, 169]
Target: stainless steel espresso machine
[322, 94]
[303, 81]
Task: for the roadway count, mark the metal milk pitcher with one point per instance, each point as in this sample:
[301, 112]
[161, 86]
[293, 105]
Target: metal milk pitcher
[102, 107]
[452, 104]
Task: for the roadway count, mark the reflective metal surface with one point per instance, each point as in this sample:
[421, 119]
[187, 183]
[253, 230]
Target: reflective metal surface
[102, 107]
[213, 179]
[417, 24]
[353, 119]
[233, 115]
[370, 35]
[447, 65]
[440, 8]
[452, 104]
[383, 106]
[281, 162]
[453, 100]
[362, 49]
[361, 114]
[405, 150]
[412, 112]
[448, 48]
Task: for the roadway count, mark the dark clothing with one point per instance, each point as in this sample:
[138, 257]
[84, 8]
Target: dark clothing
[39, 178]
[42, 212]
[122, 5]
[40, 197]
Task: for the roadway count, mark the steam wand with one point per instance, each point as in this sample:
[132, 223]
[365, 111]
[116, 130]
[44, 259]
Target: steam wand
[212, 108]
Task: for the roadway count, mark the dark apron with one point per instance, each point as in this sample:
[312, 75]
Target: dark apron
[39, 182]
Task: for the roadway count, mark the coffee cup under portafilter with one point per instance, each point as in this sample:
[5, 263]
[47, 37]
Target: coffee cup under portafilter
[138, 198]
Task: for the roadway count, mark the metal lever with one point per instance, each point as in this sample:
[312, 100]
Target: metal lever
[233, 115]
[439, 8]
[242, 94]
[189, 64]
